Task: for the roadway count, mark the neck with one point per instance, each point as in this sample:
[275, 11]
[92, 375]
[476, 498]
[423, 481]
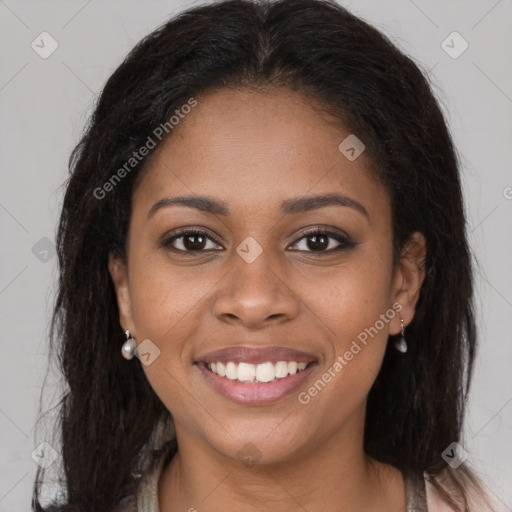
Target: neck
[333, 475]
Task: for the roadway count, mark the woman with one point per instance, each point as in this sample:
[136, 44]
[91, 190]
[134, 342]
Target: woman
[266, 211]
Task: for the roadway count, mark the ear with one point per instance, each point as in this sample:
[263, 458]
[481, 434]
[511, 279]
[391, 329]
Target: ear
[408, 278]
[119, 273]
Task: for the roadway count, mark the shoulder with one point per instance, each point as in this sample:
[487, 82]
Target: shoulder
[436, 503]
[147, 495]
[128, 504]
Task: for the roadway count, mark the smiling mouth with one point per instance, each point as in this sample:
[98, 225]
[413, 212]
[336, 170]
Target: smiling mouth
[257, 382]
[250, 373]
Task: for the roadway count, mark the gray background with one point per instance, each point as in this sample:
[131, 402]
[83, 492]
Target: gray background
[45, 103]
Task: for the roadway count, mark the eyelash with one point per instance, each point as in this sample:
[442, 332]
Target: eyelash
[345, 242]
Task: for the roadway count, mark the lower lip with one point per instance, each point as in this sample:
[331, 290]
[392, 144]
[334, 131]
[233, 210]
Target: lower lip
[256, 393]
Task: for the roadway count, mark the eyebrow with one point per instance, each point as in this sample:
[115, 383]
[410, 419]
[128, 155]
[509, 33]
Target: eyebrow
[288, 207]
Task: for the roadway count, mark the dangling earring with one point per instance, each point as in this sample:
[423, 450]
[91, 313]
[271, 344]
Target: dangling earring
[129, 346]
[401, 344]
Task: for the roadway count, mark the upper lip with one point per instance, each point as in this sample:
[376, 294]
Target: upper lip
[256, 355]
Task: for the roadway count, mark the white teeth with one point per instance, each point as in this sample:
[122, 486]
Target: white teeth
[263, 372]
[231, 370]
[246, 372]
[281, 369]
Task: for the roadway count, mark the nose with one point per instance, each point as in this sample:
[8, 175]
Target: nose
[255, 295]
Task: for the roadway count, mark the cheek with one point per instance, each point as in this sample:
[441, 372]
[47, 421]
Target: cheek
[354, 295]
[169, 305]
[165, 300]
[355, 303]
[165, 309]
[355, 306]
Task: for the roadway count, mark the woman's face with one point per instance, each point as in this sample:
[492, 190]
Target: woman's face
[253, 286]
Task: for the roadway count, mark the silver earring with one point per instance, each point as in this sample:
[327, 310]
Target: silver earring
[129, 346]
[401, 344]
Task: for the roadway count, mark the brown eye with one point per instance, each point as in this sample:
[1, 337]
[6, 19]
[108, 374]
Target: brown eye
[317, 242]
[190, 241]
[194, 242]
[323, 242]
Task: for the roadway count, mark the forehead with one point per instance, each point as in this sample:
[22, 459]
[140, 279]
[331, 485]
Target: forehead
[253, 149]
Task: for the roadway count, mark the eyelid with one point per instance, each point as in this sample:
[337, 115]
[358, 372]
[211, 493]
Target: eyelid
[340, 236]
[180, 232]
[313, 229]
[197, 229]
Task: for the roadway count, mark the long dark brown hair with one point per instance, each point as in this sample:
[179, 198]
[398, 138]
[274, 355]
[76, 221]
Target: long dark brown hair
[108, 411]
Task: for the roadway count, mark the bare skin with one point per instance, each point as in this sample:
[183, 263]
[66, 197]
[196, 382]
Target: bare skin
[253, 151]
